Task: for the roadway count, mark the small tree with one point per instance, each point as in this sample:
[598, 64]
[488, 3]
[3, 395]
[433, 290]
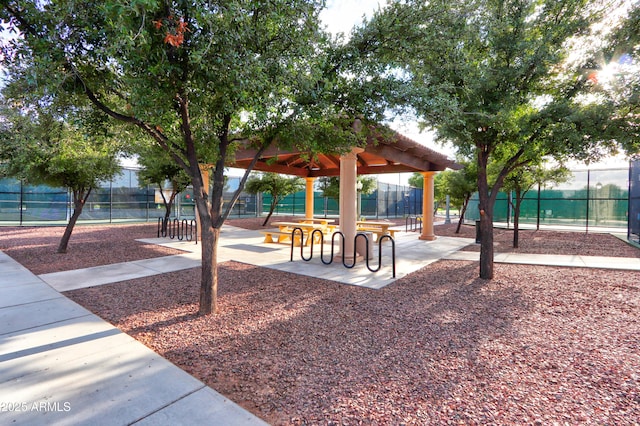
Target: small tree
[460, 185]
[41, 149]
[522, 179]
[158, 168]
[330, 186]
[276, 185]
[416, 180]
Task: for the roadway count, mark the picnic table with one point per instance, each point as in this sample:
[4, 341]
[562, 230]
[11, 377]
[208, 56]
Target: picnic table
[328, 223]
[377, 228]
[283, 233]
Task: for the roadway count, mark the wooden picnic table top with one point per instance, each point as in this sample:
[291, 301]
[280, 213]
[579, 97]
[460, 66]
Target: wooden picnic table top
[298, 225]
[373, 223]
[317, 219]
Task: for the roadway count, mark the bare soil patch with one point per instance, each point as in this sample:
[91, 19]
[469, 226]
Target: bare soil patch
[536, 345]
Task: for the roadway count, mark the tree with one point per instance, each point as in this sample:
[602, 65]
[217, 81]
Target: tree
[460, 185]
[495, 79]
[522, 179]
[276, 185]
[196, 78]
[416, 180]
[158, 168]
[330, 186]
[41, 149]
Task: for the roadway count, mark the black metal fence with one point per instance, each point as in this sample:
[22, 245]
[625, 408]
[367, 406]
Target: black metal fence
[633, 230]
[590, 199]
[387, 201]
[119, 200]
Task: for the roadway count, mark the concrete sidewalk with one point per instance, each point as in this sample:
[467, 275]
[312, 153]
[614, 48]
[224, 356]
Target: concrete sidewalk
[60, 364]
[573, 261]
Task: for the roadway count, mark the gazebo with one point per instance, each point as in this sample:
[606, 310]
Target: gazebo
[385, 152]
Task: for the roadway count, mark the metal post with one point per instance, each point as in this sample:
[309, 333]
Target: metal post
[447, 218]
[509, 201]
[588, 188]
[538, 215]
[21, 200]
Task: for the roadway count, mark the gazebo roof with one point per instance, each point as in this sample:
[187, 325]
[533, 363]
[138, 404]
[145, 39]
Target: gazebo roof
[385, 152]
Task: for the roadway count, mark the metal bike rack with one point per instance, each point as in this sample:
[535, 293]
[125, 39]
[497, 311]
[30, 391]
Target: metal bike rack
[412, 223]
[180, 229]
[344, 263]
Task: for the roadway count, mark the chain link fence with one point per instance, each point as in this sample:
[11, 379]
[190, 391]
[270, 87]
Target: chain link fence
[590, 199]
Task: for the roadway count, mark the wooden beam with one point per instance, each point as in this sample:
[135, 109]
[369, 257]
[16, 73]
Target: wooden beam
[263, 166]
[405, 158]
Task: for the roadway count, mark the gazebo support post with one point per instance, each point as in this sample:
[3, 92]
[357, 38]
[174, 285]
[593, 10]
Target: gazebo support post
[427, 207]
[348, 200]
[308, 197]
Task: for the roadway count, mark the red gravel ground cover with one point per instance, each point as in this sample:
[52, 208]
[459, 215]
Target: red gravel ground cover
[536, 345]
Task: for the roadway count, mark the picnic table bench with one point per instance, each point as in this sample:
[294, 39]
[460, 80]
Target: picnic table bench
[377, 228]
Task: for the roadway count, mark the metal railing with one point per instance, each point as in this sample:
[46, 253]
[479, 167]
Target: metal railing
[176, 228]
[413, 223]
[311, 242]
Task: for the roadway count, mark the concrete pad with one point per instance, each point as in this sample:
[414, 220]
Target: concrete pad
[540, 259]
[32, 291]
[612, 262]
[463, 255]
[13, 273]
[89, 277]
[118, 385]
[36, 314]
[29, 351]
[166, 264]
[205, 406]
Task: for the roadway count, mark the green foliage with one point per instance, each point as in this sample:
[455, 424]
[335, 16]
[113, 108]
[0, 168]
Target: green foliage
[494, 78]
[274, 184]
[522, 179]
[330, 186]
[197, 78]
[158, 168]
[41, 149]
[459, 184]
[416, 180]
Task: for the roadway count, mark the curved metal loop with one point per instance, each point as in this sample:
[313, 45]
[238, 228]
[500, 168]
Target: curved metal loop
[175, 227]
[393, 254]
[333, 243]
[355, 254]
[184, 227]
[313, 233]
[344, 263]
[188, 226]
[293, 234]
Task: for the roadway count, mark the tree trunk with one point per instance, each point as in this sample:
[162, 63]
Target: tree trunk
[209, 278]
[168, 206]
[516, 219]
[462, 212]
[486, 218]
[78, 204]
[274, 203]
